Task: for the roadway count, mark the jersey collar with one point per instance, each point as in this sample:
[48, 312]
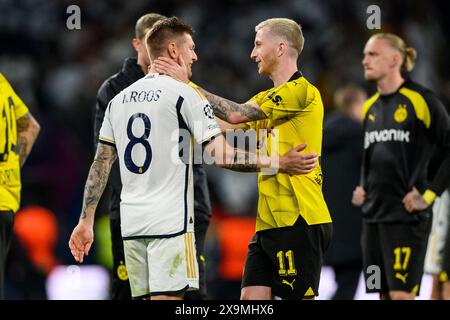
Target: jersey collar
[406, 81]
[297, 74]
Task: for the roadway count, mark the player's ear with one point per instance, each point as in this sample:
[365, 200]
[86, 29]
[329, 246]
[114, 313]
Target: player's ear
[281, 49]
[396, 59]
[136, 43]
[173, 50]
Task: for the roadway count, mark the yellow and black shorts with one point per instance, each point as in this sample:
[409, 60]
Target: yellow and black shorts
[288, 259]
[6, 233]
[397, 250]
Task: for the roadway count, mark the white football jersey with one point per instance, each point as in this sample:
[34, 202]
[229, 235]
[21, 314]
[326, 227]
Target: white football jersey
[151, 123]
[438, 237]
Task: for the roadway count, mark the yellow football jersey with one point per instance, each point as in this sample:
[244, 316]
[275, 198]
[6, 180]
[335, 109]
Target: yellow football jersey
[294, 116]
[11, 108]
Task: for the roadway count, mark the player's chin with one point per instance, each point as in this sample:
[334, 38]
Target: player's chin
[369, 76]
[262, 71]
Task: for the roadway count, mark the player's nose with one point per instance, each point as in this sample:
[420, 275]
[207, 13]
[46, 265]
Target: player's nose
[364, 61]
[253, 55]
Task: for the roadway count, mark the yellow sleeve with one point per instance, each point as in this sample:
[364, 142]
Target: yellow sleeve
[251, 125]
[258, 98]
[20, 107]
[285, 102]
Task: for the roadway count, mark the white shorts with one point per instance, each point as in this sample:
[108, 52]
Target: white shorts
[163, 266]
[437, 238]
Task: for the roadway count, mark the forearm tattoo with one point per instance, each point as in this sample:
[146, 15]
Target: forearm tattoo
[243, 162]
[23, 147]
[223, 108]
[23, 123]
[98, 177]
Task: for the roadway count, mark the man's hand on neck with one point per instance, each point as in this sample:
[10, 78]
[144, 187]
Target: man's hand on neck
[170, 67]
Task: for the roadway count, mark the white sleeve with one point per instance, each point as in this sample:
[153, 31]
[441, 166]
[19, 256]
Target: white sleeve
[199, 117]
[106, 131]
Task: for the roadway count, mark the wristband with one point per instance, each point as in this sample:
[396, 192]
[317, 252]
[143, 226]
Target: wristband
[429, 196]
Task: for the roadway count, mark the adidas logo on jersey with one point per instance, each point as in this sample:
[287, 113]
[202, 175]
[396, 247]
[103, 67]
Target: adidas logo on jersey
[385, 135]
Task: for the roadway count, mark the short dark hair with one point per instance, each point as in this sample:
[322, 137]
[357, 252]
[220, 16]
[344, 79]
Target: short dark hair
[163, 31]
[145, 23]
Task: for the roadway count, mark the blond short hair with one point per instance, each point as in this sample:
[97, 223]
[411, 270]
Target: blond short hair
[409, 54]
[286, 28]
[145, 23]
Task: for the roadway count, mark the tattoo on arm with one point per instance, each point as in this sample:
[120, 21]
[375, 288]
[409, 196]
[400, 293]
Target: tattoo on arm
[22, 146]
[247, 167]
[244, 161]
[98, 177]
[223, 108]
[27, 132]
[23, 123]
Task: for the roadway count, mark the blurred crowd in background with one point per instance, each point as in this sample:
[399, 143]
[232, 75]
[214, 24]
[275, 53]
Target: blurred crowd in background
[57, 73]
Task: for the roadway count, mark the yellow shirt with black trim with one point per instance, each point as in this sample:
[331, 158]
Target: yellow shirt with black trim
[402, 131]
[11, 109]
[294, 116]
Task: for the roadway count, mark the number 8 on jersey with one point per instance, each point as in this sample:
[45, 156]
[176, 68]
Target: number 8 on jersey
[128, 159]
